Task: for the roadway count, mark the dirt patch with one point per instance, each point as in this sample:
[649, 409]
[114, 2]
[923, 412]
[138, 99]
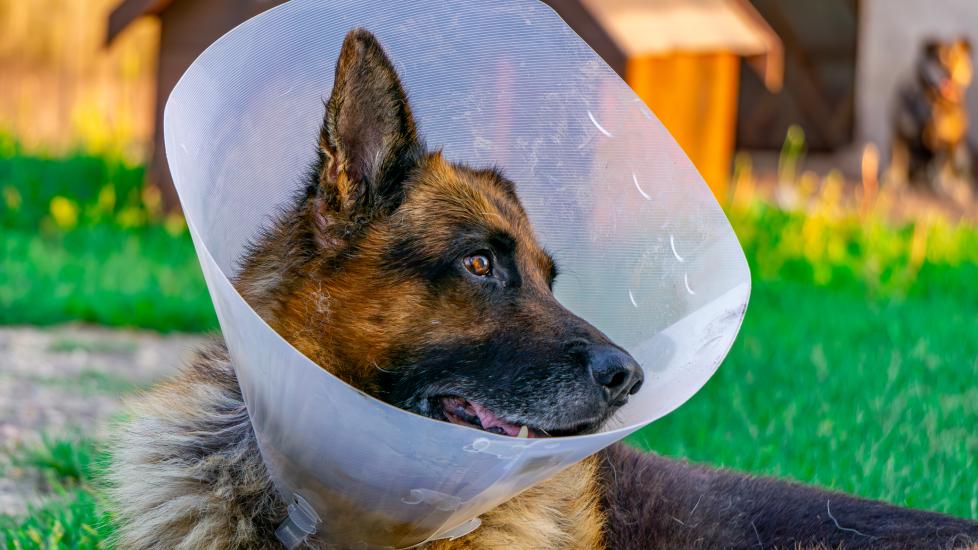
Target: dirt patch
[70, 381]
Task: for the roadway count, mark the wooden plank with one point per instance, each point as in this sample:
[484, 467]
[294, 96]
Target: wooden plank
[769, 66]
[130, 10]
[695, 98]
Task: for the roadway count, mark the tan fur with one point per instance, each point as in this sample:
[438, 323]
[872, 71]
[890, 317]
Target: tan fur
[186, 472]
[561, 513]
[948, 126]
[328, 317]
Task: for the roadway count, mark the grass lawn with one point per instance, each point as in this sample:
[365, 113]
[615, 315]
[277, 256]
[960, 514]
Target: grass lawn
[74, 518]
[141, 277]
[84, 240]
[874, 398]
[856, 367]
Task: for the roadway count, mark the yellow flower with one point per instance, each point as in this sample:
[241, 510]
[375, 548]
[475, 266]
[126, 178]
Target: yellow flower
[64, 212]
[106, 199]
[152, 198]
[130, 217]
[175, 224]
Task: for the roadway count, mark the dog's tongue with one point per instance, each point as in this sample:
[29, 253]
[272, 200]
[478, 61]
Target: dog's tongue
[489, 420]
[464, 412]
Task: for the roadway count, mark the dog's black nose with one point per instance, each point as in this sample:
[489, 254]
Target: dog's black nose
[615, 371]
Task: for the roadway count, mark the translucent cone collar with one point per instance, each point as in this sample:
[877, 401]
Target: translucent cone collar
[650, 257]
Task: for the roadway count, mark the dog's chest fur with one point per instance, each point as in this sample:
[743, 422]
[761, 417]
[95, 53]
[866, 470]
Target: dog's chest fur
[188, 469]
[563, 512]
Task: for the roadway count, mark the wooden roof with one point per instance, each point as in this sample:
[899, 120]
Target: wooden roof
[128, 11]
[661, 27]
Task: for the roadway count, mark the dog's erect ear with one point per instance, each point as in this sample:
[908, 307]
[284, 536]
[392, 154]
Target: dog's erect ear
[368, 140]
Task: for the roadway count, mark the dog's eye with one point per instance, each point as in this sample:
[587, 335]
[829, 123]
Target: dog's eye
[478, 264]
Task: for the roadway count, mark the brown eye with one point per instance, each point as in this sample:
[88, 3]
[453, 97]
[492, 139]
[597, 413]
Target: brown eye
[478, 264]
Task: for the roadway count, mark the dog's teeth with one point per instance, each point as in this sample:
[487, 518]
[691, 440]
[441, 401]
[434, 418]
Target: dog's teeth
[524, 432]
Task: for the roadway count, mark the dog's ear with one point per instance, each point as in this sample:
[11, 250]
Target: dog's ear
[368, 140]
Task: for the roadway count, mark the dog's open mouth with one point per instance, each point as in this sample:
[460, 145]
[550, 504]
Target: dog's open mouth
[463, 412]
[466, 413]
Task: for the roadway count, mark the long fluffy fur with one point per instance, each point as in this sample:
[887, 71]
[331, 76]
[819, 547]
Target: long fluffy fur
[186, 471]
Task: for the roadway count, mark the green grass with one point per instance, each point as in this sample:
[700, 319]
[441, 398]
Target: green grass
[62, 460]
[865, 255]
[102, 189]
[84, 240]
[141, 277]
[874, 398]
[821, 386]
[72, 520]
[74, 517]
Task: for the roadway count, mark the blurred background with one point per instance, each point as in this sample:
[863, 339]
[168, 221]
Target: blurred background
[840, 136]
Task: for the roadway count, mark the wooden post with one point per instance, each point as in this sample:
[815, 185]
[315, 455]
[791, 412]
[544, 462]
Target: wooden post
[695, 97]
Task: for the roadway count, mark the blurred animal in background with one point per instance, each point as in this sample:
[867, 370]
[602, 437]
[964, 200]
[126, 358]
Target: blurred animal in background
[930, 121]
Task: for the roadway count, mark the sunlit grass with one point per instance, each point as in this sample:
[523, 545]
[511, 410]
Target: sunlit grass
[142, 277]
[85, 240]
[878, 398]
[71, 520]
[65, 461]
[871, 255]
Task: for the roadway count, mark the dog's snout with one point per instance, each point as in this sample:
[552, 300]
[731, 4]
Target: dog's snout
[615, 371]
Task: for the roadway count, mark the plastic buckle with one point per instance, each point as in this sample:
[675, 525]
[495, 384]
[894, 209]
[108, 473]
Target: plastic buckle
[301, 523]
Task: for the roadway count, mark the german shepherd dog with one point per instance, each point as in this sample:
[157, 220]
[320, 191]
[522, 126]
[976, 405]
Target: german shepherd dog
[420, 281]
[930, 119]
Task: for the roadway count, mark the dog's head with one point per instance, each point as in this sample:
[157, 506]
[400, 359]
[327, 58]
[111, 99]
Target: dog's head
[420, 281]
[945, 67]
